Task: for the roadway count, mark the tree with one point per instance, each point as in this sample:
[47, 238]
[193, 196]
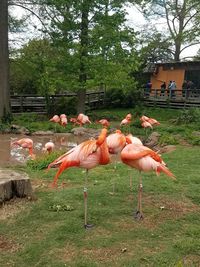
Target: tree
[4, 69]
[88, 52]
[182, 20]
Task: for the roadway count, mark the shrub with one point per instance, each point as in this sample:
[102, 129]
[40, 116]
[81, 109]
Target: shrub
[43, 161]
[188, 116]
[66, 105]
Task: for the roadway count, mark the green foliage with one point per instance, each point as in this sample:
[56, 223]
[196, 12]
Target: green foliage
[188, 116]
[66, 105]
[42, 162]
[118, 98]
[49, 232]
[167, 139]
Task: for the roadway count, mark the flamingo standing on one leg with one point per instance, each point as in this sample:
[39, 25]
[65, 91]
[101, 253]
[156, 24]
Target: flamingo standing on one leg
[55, 119]
[49, 147]
[130, 139]
[87, 155]
[116, 142]
[143, 159]
[25, 143]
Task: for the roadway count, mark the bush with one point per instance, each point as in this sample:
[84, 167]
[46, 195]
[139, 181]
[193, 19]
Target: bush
[188, 116]
[66, 105]
[117, 98]
[43, 161]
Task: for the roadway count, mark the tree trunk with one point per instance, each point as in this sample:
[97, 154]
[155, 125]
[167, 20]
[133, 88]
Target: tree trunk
[177, 51]
[14, 184]
[83, 57]
[4, 61]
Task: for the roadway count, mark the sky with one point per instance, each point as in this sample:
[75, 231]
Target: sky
[134, 17]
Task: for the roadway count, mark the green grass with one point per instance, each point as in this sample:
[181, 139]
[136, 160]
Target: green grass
[38, 235]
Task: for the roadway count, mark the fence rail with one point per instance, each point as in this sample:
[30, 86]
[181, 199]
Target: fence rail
[172, 99]
[35, 103]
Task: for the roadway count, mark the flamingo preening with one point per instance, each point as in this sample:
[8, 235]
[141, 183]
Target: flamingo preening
[83, 119]
[87, 155]
[63, 120]
[144, 159]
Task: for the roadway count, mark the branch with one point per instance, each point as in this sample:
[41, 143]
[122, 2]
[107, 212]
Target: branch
[32, 12]
[189, 46]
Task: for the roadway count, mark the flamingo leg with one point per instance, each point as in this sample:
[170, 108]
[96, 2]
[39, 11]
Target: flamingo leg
[85, 194]
[139, 214]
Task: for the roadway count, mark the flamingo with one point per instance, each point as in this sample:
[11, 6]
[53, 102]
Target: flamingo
[25, 143]
[74, 121]
[105, 123]
[146, 121]
[116, 142]
[55, 119]
[83, 119]
[130, 139]
[143, 159]
[48, 147]
[87, 155]
[126, 121]
[63, 120]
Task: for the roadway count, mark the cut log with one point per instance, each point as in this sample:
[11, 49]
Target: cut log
[14, 184]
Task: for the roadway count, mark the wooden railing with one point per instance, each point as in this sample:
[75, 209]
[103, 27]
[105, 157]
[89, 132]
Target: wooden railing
[173, 94]
[174, 99]
[35, 103]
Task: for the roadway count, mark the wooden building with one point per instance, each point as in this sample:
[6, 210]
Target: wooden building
[176, 71]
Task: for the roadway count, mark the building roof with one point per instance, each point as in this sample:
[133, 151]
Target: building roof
[186, 65]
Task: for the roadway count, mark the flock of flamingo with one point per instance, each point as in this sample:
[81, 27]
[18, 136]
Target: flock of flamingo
[92, 153]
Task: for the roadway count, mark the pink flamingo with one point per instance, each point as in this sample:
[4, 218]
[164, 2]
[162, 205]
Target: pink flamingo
[143, 159]
[83, 119]
[48, 147]
[146, 121]
[130, 139]
[25, 143]
[116, 142]
[87, 155]
[127, 120]
[55, 119]
[63, 120]
[74, 121]
[105, 123]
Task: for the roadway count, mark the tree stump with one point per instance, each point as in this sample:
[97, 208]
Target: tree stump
[14, 184]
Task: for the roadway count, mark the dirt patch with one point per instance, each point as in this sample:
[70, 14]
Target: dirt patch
[8, 245]
[166, 209]
[104, 254]
[158, 209]
[13, 207]
[191, 260]
[66, 254]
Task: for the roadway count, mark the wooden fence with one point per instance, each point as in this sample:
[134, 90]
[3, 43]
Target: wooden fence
[35, 103]
[155, 98]
[173, 99]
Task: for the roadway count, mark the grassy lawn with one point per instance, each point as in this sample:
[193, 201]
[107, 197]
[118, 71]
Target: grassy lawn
[42, 233]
